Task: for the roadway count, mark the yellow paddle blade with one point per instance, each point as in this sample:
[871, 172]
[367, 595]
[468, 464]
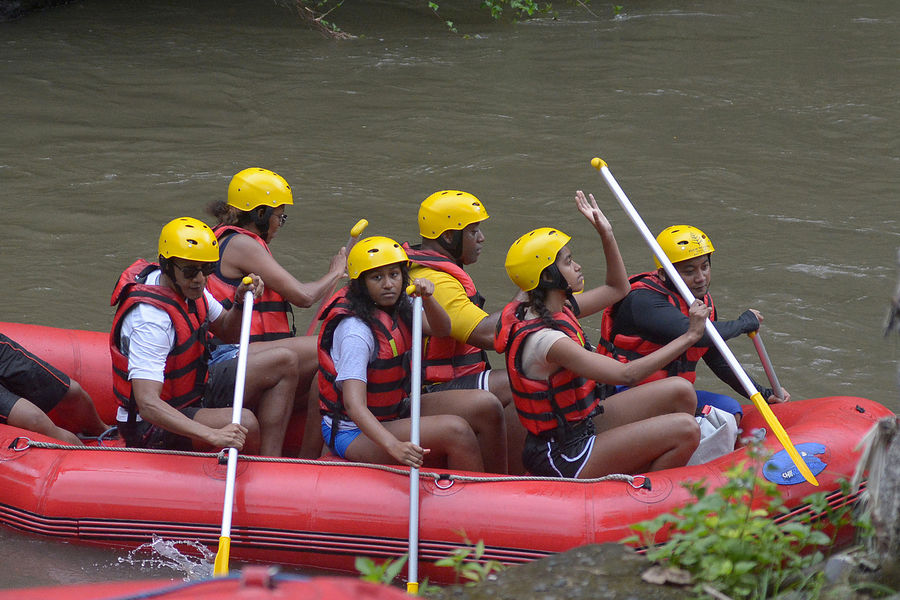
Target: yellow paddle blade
[412, 587]
[220, 568]
[763, 407]
[357, 229]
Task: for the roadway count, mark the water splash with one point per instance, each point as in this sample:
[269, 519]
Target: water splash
[191, 558]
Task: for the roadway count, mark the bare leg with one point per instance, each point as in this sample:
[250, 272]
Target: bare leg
[312, 443]
[447, 437]
[26, 415]
[76, 410]
[220, 417]
[484, 414]
[269, 390]
[515, 431]
[666, 396]
[306, 396]
[662, 442]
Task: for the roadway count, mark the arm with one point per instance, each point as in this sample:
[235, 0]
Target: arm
[616, 286]
[160, 413]
[570, 355]
[651, 316]
[227, 324]
[405, 453]
[249, 257]
[483, 334]
[436, 321]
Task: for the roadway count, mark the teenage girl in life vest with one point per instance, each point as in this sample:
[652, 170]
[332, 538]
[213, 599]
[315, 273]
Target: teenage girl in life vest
[557, 379]
[364, 345]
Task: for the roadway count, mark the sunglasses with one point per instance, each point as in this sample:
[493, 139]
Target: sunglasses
[190, 271]
[282, 218]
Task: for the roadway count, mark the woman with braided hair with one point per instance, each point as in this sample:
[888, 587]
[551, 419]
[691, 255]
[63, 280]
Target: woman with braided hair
[558, 381]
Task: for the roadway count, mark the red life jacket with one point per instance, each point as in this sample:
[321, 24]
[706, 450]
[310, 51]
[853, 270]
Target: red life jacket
[562, 400]
[445, 358]
[387, 385]
[625, 348]
[270, 312]
[186, 365]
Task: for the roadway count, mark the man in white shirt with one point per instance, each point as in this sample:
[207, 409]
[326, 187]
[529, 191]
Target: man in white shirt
[160, 359]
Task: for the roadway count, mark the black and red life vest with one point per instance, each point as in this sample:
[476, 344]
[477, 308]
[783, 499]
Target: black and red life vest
[387, 384]
[625, 348]
[270, 311]
[445, 358]
[186, 365]
[562, 400]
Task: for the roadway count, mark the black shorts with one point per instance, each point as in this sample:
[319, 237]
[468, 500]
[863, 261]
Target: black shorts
[142, 434]
[219, 391]
[24, 375]
[474, 381]
[552, 456]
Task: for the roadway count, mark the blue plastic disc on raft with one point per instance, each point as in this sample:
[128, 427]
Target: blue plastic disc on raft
[781, 469]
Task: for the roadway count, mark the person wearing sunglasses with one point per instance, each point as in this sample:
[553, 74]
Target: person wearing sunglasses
[248, 221]
[168, 395]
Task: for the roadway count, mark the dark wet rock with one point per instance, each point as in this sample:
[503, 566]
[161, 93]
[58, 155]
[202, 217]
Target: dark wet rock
[615, 572]
[598, 571]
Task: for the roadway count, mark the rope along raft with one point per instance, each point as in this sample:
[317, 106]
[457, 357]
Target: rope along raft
[442, 480]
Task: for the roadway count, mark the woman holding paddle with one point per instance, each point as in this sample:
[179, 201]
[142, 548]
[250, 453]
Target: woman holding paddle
[247, 222]
[558, 380]
[364, 345]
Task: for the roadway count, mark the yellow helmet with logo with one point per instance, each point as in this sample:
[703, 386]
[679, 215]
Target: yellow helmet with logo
[683, 242]
[258, 187]
[531, 254]
[190, 239]
[449, 210]
[374, 252]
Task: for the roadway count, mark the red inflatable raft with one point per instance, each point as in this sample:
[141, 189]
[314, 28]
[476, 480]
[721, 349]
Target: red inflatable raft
[324, 514]
[254, 583]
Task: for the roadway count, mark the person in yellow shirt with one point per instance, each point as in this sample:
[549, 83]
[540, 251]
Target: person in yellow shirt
[450, 226]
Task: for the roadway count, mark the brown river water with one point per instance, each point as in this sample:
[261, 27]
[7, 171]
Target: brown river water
[770, 125]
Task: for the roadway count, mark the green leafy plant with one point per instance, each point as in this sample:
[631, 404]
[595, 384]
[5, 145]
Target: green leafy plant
[729, 540]
[384, 572]
[468, 563]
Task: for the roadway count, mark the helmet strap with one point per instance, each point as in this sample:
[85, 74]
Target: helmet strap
[168, 269]
[454, 246]
[261, 218]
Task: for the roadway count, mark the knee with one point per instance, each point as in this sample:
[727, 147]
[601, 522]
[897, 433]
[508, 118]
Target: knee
[249, 420]
[684, 394]
[489, 406]
[457, 430]
[686, 429]
[25, 415]
[285, 362]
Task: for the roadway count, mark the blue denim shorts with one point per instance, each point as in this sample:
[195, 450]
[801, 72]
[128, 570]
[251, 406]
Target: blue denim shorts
[224, 352]
[342, 440]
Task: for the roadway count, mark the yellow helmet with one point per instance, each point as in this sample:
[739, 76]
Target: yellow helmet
[190, 239]
[531, 254]
[683, 242]
[374, 252]
[258, 187]
[449, 210]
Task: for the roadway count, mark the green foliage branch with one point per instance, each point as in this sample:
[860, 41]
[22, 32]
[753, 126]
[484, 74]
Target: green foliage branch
[468, 564]
[730, 541]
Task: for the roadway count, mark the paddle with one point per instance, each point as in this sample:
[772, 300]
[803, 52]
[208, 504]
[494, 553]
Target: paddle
[355, 232]
[412, 585]
[767, 363]
[720, 344]
[220, 567]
